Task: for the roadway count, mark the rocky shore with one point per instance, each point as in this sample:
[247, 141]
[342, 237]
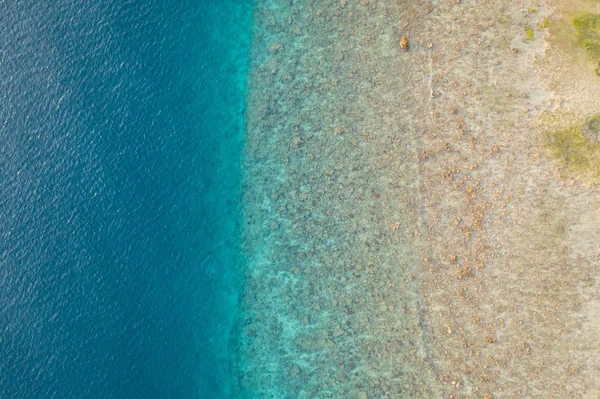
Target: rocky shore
[409, 229]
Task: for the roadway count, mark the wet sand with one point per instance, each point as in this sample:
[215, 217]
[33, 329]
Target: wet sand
[407, 232]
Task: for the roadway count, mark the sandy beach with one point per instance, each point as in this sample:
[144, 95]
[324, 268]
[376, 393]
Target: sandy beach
[417, 223]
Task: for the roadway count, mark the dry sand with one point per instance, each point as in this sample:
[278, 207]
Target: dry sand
[407, 233]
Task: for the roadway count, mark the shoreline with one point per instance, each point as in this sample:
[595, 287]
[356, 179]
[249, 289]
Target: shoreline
[406, 232]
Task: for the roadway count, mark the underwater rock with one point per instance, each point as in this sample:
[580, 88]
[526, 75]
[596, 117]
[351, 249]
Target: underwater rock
[591, 129]
[275, 47]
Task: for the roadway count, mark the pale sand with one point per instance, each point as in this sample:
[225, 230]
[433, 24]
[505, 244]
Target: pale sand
[407, 233]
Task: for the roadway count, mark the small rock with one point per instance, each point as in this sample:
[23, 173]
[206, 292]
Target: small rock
[294, 370]
[362, 395]
[404, 44]
[591, 129]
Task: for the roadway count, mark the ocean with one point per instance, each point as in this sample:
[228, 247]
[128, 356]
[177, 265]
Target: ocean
[121, 132]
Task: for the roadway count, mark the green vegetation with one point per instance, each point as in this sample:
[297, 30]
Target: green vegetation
[529, 32]
[544, 23]
[504, 19]
[588, 34]
[576, 152]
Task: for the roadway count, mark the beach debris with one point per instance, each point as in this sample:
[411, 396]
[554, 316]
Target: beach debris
[404, 43]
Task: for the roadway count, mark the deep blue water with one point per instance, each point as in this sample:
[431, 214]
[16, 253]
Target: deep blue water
[121, 129]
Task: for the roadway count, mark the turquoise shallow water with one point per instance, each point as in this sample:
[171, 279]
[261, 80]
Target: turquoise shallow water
[122, 128]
